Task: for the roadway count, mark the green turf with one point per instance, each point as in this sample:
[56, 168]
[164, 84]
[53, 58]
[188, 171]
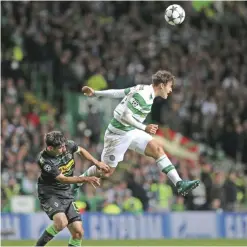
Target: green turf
[165, 242]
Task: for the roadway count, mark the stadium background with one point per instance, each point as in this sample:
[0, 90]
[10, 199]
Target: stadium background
[51, 49]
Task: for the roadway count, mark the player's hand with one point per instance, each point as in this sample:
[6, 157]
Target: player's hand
[93, 181]
[151, 128]
[88, 91]
[103, 167]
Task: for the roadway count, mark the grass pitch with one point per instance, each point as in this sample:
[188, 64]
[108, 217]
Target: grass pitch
[163, 242]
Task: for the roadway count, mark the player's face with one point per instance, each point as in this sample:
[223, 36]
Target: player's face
[61, 149]
[166, 89]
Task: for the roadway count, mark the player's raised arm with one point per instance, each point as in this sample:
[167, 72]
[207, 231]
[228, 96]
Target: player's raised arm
[111, 93]
[100, 165]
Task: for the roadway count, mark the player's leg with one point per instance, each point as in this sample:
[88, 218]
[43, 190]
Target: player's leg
[155, 150]
[77, 233]
[55, 211]
[74, 225]
[115, 147]
[145, 144]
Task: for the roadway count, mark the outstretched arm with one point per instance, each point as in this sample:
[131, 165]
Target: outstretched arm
[111, 93]
[74, 180]
[100, 165]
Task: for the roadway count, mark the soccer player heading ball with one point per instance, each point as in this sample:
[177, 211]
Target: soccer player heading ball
[127, 131]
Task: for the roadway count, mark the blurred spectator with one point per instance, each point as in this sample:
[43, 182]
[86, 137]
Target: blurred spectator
[137, 190]
[207, 181]
[161, 194]
[197, 200]
[178, 205]
[111, 208]
[230, 192]
[218, 193]
[132, 204]
[93, 123]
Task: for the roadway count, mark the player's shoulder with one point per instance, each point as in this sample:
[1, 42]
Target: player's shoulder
[70, 143]
[143, 91]
[72, 146]
[140, 87]
[43, 158]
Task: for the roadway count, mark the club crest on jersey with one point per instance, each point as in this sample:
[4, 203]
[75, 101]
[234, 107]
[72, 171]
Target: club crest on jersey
[47, 168]
[112, 157]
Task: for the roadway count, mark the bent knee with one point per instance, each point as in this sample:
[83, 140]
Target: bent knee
[78, 234]
[159, 150]
[154, 149]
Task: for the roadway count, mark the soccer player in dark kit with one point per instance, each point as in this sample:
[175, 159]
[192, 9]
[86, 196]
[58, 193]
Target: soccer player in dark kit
[55, 192]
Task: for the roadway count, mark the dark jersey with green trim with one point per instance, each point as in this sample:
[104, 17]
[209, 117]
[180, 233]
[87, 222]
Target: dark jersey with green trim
[52, 166]
[138, 100]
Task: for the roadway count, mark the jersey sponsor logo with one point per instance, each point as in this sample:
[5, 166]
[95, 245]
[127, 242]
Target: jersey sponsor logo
[135, 103]
[47, 168]
[65, 168]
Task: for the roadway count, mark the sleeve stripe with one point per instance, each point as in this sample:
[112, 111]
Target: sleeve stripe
[126, 91]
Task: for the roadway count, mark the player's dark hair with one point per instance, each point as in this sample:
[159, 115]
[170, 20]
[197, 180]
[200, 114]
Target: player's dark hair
[162, 76]
[55, 139]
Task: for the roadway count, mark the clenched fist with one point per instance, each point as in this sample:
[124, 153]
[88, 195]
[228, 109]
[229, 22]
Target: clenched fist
[88, 91]
[151, 128]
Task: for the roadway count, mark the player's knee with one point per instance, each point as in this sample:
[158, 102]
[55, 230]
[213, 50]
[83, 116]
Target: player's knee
[154, 149]
[159, 151]
[78, 234]
[60, 224]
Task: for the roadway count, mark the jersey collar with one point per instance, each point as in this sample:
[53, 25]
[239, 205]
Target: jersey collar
[49, 154]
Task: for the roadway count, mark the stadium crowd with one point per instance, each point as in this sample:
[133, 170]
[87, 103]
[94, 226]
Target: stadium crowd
[124, 44]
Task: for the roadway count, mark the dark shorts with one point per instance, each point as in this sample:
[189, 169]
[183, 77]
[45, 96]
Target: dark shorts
[53, 205]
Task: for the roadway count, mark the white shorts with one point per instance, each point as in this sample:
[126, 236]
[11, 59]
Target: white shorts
[115, 145]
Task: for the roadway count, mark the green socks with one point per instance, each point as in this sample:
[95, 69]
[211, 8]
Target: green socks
[74, 242]
[49, 233]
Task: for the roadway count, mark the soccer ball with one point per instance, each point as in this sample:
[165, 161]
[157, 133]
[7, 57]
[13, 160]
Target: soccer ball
[174, 14]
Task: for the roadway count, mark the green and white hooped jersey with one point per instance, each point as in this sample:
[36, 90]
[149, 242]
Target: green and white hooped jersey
[139, 101]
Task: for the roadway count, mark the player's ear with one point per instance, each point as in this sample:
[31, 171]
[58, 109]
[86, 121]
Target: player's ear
[49, 148]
